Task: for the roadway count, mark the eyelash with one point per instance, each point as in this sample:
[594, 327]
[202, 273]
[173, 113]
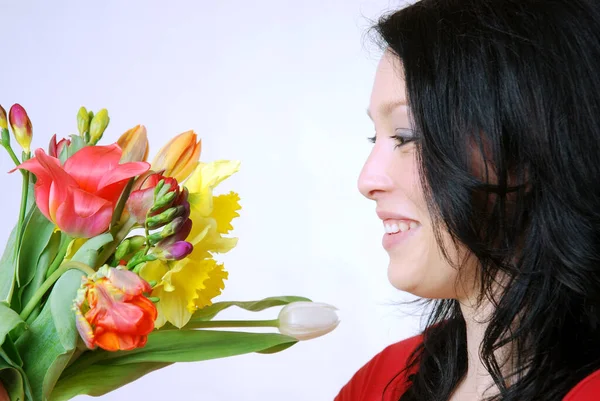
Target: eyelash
[401, 139]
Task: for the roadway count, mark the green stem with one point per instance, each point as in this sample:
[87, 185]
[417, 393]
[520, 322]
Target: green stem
[59, 256]
[12, 155]
[209, 324]
[109, 249]
[121, 204]
[23, 209]
[37, 296]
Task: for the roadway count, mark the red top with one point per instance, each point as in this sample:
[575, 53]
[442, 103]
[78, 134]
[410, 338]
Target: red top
[370, 383]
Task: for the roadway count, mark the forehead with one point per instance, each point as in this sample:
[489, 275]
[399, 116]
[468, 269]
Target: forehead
[389, 88]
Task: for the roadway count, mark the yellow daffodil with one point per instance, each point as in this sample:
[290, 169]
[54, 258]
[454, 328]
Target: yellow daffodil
[183, 287]
[191, 283]
[179, 157]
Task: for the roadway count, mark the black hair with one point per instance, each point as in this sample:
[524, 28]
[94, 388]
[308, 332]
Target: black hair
[511, 86]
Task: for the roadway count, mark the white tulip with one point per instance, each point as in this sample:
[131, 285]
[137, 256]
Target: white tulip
[307, 320]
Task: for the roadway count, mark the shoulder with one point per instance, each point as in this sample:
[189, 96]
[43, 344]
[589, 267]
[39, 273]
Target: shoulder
[370, 382]
[586, 390]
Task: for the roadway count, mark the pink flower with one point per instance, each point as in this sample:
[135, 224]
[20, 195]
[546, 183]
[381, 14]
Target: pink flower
[21, 126]
[80, 196]
[56, 148]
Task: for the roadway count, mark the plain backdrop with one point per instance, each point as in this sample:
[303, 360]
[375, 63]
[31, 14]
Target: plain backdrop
[281, 86]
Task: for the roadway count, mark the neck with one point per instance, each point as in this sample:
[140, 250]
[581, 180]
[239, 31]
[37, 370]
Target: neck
[478, 383]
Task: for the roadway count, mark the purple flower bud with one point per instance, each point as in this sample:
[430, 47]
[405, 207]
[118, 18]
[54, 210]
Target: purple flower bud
[177, 250]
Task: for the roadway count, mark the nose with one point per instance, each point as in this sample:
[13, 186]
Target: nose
[374, 178]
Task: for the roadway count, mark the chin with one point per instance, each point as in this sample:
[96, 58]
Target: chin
[423, 281]
[405, 278]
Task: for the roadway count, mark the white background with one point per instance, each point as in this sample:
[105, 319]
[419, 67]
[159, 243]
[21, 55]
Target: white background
[280, 85]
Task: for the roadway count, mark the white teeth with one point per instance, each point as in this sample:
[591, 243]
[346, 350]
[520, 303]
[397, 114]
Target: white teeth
[391, 228]
[402, 226]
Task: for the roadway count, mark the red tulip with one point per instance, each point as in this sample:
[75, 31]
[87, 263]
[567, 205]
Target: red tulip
[80, 196]
[112, 311]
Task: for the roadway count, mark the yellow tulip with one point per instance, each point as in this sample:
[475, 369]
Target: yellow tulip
[179, 157]
[134, 144]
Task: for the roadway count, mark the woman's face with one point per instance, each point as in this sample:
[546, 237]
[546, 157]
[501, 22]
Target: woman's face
[390, 177]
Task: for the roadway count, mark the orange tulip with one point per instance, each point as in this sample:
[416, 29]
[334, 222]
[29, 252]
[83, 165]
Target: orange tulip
[179, 157]
[134, 143]
[80, 196]
[112, 311]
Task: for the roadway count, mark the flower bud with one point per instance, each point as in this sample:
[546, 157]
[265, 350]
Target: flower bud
[98, 126]
[165, 217]
[175, 251]
[55, 149]
[179, 157]
[122, 250]
[83, 121]
[134, 144]
[21, 126]
[3, 121]
[307, 320]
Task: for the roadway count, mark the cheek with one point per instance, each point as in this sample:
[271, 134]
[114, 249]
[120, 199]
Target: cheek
[420, 268]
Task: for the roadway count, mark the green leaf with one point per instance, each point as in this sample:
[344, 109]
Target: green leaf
[12, 380]
[44, 261]
[77, 143]
[37, 234]
[13, 377]
[8, 266]
[113, 377]
[88, 253]
[47, 346]
[9, 319]
[186, 346]
[210, 312]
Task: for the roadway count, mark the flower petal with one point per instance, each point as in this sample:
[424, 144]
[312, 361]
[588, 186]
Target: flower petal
[53, 183]
[185, 278]
[213, 285]
[225, 210]
[83, 215]
[111, 341]
[134, 144]
[84, 329]
[204, 179]
[89, 165]
[123, 172]
[128, 282]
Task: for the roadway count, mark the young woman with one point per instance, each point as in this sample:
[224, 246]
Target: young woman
[486, 174]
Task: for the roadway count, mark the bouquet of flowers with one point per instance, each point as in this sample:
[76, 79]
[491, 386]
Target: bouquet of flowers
[110, 271]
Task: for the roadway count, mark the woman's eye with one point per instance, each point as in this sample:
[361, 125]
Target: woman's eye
[402, 137]
[402, 140]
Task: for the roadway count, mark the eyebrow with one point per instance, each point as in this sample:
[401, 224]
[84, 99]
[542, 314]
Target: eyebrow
[386, 108]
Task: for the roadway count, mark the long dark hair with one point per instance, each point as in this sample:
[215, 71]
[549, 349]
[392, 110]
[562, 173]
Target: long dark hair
[511, 87]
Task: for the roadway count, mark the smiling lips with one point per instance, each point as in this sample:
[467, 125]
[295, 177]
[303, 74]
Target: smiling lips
[397, 229]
